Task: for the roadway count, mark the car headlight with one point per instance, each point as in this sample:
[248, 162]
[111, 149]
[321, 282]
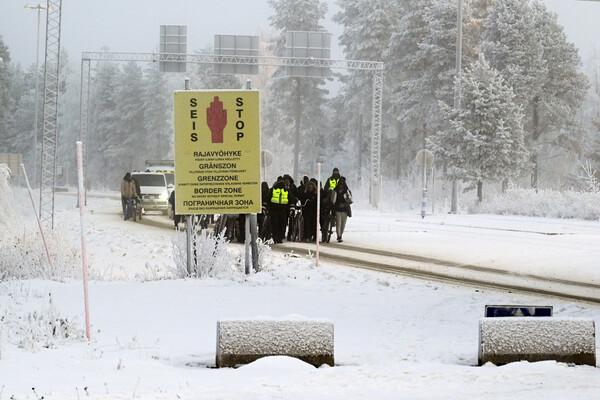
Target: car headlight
[163, 197]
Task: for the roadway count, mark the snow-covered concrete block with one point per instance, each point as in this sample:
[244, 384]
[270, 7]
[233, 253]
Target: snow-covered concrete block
[244, 341]
[505, 340]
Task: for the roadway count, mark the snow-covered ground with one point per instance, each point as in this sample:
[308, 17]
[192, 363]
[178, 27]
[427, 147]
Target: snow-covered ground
[154, 337]
[556, 248]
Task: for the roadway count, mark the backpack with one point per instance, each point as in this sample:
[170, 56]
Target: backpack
[348, 197]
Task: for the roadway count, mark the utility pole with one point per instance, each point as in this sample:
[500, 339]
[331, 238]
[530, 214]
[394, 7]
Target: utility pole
[50, 111]
[39, 9]
[251, 229]
[297, 129]
[457, 90]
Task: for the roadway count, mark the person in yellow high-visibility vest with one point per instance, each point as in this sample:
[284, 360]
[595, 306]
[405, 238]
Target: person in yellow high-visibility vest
[332, 181]
[280, 197]
[328, 197]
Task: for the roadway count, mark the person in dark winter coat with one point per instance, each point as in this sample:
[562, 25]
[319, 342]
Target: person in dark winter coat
[289, 182]
[128, 194]
[302, 186]
[176, 217]
[262, 218]
[289, 223]
[309, 211]
[342, 207]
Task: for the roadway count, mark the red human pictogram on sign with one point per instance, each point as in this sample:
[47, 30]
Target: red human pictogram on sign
[216, 118]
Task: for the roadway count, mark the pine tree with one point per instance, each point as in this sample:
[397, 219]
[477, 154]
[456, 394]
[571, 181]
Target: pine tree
[157, 115]
[594, 152]
[368, 27]
[69, 124]
[421, 69]
[591, 111]
[130, 140]
[4, 95]
[104, 121]
[524, 41]
[23, 110]
[293, 114]
[484, 140]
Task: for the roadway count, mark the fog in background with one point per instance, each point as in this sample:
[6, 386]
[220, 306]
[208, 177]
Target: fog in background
[133, 25]
[560, 128]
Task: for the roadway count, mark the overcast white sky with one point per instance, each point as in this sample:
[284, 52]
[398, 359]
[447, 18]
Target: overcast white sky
[133, 25]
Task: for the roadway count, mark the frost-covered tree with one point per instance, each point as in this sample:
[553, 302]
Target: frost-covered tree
[17, 88]
[591, 111]
[130, 113]
[524, 41]
[421, 69]
[206, 78]
[22, 109]
[4, 94]
[68, 112]
[129, 142]
[367, 29]
[293, 111]
[484, 139]
[157, 115]
[594, 151]
[104, 121]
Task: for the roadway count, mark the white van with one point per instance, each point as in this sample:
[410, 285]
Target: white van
[154, 189]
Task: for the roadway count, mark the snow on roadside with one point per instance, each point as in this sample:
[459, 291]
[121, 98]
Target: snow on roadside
[393, 337]
[562, 249]
[155, 338]
[543, 203]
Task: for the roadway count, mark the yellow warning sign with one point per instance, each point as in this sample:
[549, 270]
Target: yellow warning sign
[217, 152]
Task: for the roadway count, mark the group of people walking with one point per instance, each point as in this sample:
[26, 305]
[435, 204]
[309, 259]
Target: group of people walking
[289, 211]
[284, 200]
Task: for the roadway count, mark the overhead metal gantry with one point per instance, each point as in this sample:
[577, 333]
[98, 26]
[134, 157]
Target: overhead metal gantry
[376, 67]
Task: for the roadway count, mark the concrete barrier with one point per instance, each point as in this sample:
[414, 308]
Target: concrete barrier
[505, 340]
[242, 342]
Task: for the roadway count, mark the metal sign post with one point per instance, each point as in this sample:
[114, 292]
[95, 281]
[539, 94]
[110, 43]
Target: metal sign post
[425, 160]
[252, 223]
[432, 195]
[424, 192]
[39, 9]
[253, 241]
[190, 243]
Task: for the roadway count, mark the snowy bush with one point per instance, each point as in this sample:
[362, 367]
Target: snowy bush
[7, 212]
[22, 254]
[264, 251]
[589, 177]
[44, 327]
[544, 203]
[214, 257]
